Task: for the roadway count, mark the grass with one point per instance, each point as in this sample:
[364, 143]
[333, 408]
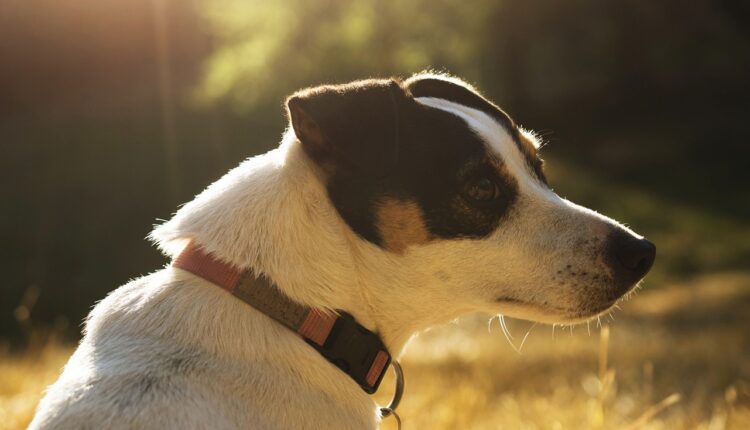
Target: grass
[23, 378]
[673, 358]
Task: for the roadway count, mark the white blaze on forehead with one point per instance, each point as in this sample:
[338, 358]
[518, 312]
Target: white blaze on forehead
[497, 139]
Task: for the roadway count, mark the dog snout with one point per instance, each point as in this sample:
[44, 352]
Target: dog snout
[629, 258]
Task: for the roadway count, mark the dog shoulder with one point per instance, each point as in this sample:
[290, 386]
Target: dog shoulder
[128, 373]
[140, 401]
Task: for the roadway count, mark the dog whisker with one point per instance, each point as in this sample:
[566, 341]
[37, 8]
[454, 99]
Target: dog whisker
[508, 336]
[526, 336]
[505, 328]
[489, 323]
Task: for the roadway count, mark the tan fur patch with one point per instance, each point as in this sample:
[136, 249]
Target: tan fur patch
[401, 224]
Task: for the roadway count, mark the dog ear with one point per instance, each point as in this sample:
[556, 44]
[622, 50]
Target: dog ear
[352, 126]
[456, 90]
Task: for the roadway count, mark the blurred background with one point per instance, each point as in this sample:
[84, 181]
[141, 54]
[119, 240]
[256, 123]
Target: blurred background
[114, 112]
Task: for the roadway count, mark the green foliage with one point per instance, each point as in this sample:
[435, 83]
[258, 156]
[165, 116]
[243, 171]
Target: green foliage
[531, 52]
[266, 48]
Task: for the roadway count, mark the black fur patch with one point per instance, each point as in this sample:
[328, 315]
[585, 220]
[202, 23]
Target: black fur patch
[428, 86]
[438, 158]
[352, 126]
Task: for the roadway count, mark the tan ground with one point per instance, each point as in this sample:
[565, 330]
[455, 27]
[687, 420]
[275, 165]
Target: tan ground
[676, 358]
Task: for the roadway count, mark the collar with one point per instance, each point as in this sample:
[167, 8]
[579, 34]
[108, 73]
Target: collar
[357, 351]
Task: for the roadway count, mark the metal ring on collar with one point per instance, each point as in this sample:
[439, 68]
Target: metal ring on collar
[391, 408]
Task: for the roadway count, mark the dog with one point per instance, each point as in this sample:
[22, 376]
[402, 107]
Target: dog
[398, 204]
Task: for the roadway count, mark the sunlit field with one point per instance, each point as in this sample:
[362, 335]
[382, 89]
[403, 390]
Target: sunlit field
[676, 358]
[23, 378]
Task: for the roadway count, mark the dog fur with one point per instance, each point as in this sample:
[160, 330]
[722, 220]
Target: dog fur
[171, 350]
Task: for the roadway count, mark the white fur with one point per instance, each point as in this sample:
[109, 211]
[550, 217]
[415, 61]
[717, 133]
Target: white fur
[170, 350]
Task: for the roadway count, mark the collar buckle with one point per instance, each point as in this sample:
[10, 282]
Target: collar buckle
[357, 351]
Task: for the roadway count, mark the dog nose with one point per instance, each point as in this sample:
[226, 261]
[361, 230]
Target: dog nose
[630, 257]
[636, 256]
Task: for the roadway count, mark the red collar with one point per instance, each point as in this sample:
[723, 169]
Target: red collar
[340, 339]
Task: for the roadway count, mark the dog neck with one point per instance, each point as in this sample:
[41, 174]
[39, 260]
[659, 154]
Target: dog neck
[272, 214]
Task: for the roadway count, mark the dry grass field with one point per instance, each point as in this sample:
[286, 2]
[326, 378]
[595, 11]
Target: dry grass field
[674, 358]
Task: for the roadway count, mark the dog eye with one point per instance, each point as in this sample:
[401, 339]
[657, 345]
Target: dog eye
[482, 190]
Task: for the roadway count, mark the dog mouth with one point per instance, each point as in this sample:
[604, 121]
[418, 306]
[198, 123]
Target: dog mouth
[549, 313]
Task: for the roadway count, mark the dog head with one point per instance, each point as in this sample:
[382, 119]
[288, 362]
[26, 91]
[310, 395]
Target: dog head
[439, 178]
